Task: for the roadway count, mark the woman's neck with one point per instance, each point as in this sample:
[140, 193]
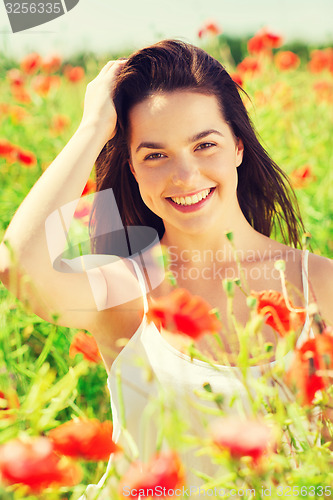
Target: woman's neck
[213, 245]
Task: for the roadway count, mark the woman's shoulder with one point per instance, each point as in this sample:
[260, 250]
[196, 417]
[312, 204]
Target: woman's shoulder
[320, 264]
[321, 284]
[318, 270]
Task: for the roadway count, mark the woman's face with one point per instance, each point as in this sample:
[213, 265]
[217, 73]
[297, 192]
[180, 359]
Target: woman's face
[184, 157]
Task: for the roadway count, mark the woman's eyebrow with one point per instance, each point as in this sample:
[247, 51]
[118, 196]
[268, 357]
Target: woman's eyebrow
[203, 134]
[196, 137]
[149, 145]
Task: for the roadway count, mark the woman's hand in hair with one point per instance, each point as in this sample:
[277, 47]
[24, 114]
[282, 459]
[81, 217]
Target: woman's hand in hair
[99, 108]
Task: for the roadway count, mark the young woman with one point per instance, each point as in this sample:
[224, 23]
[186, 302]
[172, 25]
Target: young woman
[171, 137]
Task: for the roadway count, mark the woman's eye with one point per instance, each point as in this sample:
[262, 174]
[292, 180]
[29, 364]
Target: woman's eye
[206, 145]
[154, 156]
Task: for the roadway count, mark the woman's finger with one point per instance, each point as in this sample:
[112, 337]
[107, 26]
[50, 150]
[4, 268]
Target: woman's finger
[106, 67]
[119, 62]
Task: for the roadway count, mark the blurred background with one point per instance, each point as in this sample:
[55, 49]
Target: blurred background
[104, 26]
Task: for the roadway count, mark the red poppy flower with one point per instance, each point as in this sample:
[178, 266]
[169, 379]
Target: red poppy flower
[85, 344]
[286, 60]
[249, 65]
[31, 63]
[42, 84]
[8, 401]
[83, 210]
[163, 474]
[74, 74]
[14, 153]
[263, 41]
[32, 462]
[90, 187]
[307, 371]
[20, 94]
[17, 114]
[181, 312]
[242, 438]
[324, 90]
[279, 317]
[7, 150]
[256, 45]
[272, 39]
[59, 123]
[302, 176]
[321, 60]
[85, 439]
[26, 158]
[4, 108]
[209, 28]
[15, 77]
[51, 63]
[237, 78]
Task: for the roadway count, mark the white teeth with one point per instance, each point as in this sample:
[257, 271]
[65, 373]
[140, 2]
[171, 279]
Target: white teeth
[191, 200]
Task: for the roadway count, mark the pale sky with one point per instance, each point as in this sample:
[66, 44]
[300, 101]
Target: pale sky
[107, 25]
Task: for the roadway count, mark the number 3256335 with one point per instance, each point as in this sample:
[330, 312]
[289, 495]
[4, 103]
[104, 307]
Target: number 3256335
[303, 491]
[33, 8]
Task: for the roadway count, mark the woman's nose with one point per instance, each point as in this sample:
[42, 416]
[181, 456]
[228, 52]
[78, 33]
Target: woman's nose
[184, 172]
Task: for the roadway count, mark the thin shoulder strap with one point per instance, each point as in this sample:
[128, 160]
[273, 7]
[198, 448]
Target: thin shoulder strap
[142, 285]
[305, 276]
[307, 331]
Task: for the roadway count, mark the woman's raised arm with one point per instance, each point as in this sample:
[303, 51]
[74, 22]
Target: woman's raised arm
[25, 265]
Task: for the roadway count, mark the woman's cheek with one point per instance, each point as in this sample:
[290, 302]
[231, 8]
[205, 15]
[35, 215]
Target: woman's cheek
[146, 188]
[151, 181]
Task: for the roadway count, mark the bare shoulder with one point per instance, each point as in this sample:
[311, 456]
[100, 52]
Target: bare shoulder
[321, 284]
[320, 276]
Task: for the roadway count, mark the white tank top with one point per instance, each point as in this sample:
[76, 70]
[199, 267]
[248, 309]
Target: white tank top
[148, 366]
[173, 371]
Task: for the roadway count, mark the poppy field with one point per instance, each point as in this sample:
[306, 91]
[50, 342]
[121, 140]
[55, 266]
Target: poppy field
[55, 416]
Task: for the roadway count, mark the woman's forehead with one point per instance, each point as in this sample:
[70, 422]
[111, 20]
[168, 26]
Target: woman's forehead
[167, 112]
[160, 99]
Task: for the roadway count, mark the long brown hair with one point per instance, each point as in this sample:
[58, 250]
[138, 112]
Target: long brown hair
[264, 192]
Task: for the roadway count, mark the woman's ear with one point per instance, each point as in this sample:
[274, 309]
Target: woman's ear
[132, 169]
[239, 151]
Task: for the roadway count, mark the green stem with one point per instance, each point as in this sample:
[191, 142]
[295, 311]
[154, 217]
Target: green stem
[47, 347]
[240, 269]
[122, 413]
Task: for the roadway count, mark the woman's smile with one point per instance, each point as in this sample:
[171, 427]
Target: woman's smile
[191, 203]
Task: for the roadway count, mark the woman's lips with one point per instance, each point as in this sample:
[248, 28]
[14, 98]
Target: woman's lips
[195, 206]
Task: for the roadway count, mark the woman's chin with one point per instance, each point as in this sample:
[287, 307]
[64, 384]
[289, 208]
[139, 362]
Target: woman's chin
[192, 228]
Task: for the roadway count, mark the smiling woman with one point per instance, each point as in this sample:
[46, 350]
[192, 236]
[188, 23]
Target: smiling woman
[153, 90]
[175, 145]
